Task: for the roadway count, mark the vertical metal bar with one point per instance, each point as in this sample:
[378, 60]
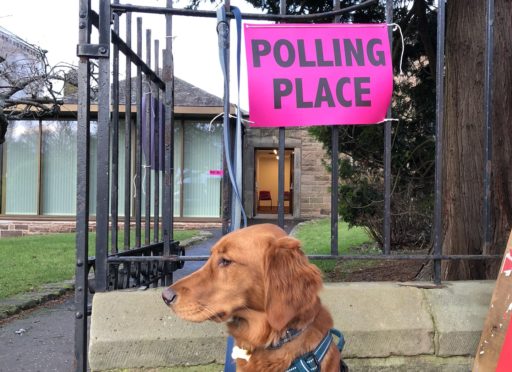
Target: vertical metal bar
[387, 150]
[138, 152]
[282, 7]
[114, 203]
[439, 139]
[128, 149]
[103, 152]
[39, 188]
[168, 207]
[280, 178]
[128, 137]
[223, 32]
[335, 132]
[281, 152]
[334, 189]
[138, 140]
[82, 192]
[2, 167]
[228, 190]
[182, 127]
[147, 166]
[156, 164]
[156, 232]
[488, 95]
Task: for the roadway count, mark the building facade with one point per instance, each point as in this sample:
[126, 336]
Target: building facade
[38, 160]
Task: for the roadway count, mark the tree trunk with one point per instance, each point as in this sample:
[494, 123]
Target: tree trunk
[463, 137]
[501, 183]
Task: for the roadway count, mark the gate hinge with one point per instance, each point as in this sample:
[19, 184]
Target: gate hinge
[93, 50]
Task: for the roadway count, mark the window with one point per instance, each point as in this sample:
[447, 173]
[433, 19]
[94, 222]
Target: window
[202, 147]
[21, 168]
[39, 169]
[58, 167]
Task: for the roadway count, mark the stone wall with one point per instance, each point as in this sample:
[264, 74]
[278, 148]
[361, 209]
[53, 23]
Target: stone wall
[388, 327]
[315, 195]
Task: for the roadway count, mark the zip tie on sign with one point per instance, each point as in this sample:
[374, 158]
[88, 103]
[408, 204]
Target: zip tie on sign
[388, 119]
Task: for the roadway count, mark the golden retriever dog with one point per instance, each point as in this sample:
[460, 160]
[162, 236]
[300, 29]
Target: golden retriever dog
[259, 281]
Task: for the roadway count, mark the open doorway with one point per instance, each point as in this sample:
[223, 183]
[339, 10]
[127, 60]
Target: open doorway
[266, 178]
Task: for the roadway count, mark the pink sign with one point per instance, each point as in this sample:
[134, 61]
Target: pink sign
[322, 74]
[216, 172]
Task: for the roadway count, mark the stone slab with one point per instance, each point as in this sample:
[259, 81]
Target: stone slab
[427, 363]
[459, 312]
[132, 329]
[380, 319]
[392, 364]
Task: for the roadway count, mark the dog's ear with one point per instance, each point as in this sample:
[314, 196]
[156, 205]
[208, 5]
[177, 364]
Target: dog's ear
[291, 282]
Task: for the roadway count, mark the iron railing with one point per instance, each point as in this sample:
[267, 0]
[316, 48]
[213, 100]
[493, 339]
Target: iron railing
[152, 262]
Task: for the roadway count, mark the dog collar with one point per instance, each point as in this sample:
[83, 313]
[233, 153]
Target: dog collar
[289, 335]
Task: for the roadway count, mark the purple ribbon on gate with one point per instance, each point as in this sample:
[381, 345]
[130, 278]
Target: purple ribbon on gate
[150, 152]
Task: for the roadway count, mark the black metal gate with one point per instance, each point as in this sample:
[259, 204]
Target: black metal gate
[152, 257]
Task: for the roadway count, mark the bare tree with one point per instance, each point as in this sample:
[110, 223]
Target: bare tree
[29, 86]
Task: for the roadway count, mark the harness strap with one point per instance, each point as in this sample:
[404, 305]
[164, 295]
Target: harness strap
[341, 339]
[311, 361]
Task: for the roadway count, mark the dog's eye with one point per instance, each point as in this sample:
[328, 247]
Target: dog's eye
[223, 262]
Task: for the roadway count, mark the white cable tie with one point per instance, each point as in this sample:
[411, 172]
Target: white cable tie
[144, 167]
[134, 186]
[248, 121]
[211, 121]
[396, 26]
[388, 119]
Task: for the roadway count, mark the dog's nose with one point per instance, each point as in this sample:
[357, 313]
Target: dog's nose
[168, 295]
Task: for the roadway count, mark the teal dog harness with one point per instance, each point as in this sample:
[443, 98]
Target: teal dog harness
[311, 361]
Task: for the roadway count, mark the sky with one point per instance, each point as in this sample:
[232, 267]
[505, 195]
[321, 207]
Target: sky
[53, 25]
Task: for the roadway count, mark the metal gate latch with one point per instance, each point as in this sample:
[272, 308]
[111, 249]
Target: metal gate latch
[93, 50]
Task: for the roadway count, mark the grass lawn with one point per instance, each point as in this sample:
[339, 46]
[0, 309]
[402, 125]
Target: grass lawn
[27, 262]
[316, 239]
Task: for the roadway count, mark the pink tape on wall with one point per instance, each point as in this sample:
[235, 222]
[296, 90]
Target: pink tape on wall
[323, 74]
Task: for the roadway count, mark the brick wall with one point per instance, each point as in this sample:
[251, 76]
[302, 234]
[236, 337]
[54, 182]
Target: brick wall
[9, 229]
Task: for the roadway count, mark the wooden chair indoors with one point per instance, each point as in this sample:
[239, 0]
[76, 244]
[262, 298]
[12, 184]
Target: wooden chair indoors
[264, 195]
[287, 198]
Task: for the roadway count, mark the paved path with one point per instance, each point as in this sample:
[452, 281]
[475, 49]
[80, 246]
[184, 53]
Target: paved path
[43, 340]
[198, 249]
